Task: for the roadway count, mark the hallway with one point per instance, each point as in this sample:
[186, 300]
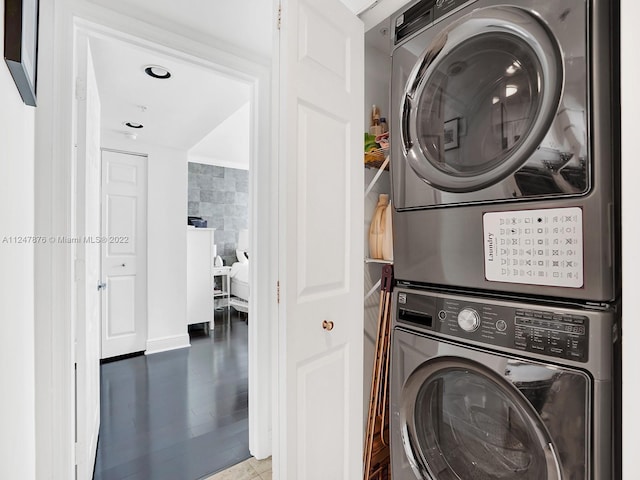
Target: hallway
[177, 414]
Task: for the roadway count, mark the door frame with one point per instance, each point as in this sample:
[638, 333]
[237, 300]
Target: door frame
[60, 23]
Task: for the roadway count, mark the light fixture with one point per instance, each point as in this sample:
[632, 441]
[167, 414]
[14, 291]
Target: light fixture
[156, 71]
[511, 90]
[133, 125]
[495, 100]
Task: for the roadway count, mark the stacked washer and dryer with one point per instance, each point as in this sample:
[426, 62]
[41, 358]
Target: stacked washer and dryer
[505, 171]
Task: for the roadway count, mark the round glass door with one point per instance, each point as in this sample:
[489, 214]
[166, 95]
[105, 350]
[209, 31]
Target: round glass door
[461, 421]
[481, 99]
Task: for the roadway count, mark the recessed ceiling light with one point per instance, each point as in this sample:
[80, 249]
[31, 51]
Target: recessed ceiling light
[157, 71]
[134, 125]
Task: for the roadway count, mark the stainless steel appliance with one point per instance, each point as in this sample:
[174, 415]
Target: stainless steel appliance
[491, 388]
[504, 154]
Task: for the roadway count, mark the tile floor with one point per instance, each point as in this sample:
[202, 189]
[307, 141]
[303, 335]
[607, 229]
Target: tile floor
[251, 469]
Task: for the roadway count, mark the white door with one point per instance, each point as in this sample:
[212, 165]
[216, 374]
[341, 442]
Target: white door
[321, 84]
[87, 263]
[124, 253]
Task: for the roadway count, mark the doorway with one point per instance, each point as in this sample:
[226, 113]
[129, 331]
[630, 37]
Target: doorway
[167, 198]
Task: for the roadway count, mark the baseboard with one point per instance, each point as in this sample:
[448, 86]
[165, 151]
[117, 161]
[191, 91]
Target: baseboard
[164, 344]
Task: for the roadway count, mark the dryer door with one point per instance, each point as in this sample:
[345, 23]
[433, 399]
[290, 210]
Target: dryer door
[480, 99]
[461, 420]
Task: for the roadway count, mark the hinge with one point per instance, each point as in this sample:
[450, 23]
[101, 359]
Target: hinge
[81, 89]
[279, 15]
[278, 291]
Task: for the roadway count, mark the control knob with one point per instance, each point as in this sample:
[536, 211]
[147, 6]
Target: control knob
[468, 319]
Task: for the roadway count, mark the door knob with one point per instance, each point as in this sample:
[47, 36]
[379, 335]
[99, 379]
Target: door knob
[327, 325]
[102, 286]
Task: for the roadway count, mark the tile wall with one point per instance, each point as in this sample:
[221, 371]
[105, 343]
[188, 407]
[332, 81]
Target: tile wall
[221, 196]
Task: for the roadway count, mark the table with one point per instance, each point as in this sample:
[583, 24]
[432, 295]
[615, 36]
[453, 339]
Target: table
[224, 292]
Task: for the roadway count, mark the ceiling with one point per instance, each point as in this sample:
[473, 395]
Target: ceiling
[178, 112]
[243, 25]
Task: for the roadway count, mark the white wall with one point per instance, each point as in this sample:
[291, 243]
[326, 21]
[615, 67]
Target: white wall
[166, 242]
[229, 144]
[630, 235]
[167, 248]
[17, 369]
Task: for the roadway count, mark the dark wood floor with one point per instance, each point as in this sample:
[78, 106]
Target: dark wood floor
[178, 415]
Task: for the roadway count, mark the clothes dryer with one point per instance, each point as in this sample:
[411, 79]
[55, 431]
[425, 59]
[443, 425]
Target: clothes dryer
[504, 146]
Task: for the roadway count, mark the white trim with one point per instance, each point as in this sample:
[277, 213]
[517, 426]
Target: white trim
[263, 244]
[164, 344]
[54, 322]
[277, 360]
[55, 214]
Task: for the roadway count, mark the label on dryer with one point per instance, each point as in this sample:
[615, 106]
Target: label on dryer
[536, 247]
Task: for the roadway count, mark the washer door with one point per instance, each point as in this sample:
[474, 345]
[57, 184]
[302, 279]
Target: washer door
[481, 98]
[461, 420]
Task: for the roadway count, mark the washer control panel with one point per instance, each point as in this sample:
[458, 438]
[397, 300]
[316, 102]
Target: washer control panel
[545, 331]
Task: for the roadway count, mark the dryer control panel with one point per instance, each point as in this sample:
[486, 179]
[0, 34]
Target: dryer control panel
[545, 331]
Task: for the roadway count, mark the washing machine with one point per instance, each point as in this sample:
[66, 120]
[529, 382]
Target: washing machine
[494, 389]
[504, 138]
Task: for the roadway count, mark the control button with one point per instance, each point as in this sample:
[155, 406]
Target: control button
[577, 355]
[501, 325]
[578, 319]
[520, 313]
[442, 314]
[547, 316]
[469, 320]
[537, 314]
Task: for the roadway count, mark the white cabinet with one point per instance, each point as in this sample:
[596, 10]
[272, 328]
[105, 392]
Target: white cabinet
[200, 276]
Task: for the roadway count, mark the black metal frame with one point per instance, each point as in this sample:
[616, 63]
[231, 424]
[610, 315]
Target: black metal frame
[17, 31]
